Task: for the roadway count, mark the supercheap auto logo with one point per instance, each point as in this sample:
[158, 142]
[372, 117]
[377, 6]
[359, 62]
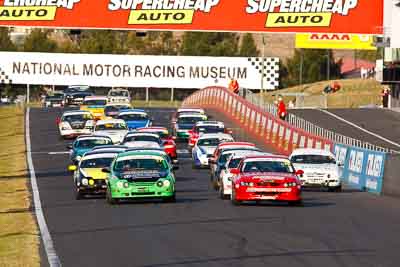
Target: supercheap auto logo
[162, 11]
[41, 10]
[300, 13]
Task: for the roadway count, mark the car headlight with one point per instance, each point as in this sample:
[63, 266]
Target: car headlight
[166, 183]
[85, 181]
[290, 184]
[160, 183]
[120, 184]
[246, 183]
[126, 184]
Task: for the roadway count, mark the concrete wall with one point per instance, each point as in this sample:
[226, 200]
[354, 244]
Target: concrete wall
[391, 179]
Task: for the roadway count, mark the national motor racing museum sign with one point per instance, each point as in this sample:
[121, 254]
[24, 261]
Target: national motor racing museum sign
[137, 71]
[338, 16]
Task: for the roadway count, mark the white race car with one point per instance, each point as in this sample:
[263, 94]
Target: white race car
[75, 123]
[205, 148]
[225, 186]
[319, 168]
[115, 129]
[119, 95]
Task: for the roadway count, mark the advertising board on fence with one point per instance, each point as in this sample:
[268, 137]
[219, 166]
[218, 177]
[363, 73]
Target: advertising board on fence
[326, 16]
[360, 168]
[137, 71]
[335, 41]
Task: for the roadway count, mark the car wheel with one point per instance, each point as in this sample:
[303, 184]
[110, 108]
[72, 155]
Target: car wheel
[296, 203]
[171, 199]
[335, 189]
[234, 201]
[110, 200]
[78, 195]
[221, 192]
[215, 185]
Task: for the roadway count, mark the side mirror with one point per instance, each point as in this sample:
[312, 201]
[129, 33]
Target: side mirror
[106, 170]
[235, 171]
[72, 168]
[228, 131]
[300, 173]
[69, 146]
[190, 132]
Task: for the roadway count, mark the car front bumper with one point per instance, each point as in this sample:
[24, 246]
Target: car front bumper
[140, 192]
[268, 193]
[74, 133]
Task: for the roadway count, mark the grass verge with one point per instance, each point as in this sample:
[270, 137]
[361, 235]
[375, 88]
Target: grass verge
[354, 93]
[19, 238]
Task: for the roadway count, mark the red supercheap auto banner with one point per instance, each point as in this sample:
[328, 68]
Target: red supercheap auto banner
[328, 16]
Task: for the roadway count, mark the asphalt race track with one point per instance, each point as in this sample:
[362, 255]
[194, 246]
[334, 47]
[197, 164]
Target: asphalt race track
[332, 229]
[385, 123]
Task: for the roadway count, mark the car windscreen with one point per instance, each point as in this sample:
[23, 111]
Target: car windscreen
[190, 120]
[209, 142]
[77, 117]
[81, 95]
[93, 102]
[145, 138]
[90, 143]
[223, 158]
[140, 164]
[209, 129]
[119, 93]
[134, 117]
[114, 108]
[268, 166]
[161, 133]
[111, 126]
[233, 163]
[313, 159]
[54, 98]
[96, 163]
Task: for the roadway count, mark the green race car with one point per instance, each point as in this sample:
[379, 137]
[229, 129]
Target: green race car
[140, 175]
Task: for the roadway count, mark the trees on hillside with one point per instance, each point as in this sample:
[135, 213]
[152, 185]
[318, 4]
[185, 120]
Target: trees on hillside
[314, 64]
[5, 41]
[38, 41]
[248, 46]
[209, 44]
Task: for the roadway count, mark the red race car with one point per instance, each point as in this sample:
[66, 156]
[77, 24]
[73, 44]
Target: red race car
[169, 144]
[266, 178]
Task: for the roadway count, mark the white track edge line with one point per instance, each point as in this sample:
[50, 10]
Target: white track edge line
[51, 254]
[360, 128]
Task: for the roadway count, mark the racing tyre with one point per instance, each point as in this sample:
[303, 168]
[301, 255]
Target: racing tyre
[335, 189]
[110, 200]
[234, 201]
[215, 185]
[221, 193]
[297, 203]
[78, 195]
[171, 199]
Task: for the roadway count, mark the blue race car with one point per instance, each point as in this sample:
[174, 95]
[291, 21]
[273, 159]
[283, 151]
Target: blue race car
[135, 118]
[86, 143]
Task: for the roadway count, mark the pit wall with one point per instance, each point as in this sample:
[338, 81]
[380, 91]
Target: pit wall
[361, 169]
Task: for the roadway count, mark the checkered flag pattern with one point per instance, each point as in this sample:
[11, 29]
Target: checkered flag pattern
[269, 69]
[4, 78]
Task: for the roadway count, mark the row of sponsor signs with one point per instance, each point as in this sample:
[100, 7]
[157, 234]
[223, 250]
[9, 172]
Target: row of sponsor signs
[362, 169]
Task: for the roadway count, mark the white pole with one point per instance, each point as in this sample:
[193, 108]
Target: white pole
[27, 93]
[147, 94]
[172, 94]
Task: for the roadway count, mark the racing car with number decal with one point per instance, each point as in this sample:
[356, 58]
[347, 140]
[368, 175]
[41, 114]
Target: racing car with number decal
[75, 123]
[89, 179]
[205, 127]
[225, 180]
[119, 95]
[115, 129]
[265, 178]
[135, 118]
[96, 105]
[185, 123]
[205, 147]
[85, 143]
[168, 143]
[182, 111]
[140, 175]
[319, 166]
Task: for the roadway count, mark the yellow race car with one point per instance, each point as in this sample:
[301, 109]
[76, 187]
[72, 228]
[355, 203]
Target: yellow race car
[95, 105]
